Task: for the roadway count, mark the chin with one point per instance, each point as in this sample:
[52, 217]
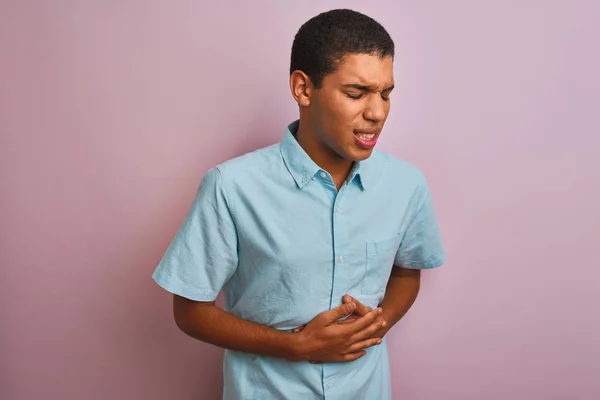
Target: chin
[359, 154]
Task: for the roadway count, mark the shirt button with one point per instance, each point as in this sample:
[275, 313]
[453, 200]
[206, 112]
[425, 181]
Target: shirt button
[340, 259]
[329, 386]
[337, 210]
[323, 174]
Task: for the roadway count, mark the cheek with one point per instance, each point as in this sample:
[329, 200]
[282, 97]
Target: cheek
[338, 116]
[329, 113]
[346, 112]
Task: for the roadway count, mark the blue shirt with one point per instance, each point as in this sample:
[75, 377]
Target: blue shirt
[272, 232]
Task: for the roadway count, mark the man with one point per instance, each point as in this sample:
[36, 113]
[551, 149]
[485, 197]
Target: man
[316, 242]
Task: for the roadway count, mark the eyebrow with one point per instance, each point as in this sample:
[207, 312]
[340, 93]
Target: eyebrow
[366, 88]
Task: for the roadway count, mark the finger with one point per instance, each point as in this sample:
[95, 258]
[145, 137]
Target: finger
[368, 331]
[350, 319]
[364, 321]
[353, 356]
[341, 311]
[343, 358]
[361, 309]
[364, 344]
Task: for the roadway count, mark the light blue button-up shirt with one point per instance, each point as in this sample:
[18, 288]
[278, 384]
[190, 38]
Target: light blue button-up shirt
[272, 232]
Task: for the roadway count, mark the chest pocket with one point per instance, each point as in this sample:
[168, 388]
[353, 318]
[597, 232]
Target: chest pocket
[379, 263]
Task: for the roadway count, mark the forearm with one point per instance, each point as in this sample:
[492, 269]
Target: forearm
[211, 324]
[401, 293]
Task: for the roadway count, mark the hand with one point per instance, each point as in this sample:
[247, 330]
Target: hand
[325, 339]
[362, 310]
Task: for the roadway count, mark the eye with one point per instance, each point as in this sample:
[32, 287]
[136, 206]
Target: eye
[386, 97]
[355, 96]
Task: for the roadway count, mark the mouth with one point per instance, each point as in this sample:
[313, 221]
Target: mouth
[367, 139]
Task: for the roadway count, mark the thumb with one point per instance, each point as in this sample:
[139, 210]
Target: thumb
[331, 316]
[361, 309]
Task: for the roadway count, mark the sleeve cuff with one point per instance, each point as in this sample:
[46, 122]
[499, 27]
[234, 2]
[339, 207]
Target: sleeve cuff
[431, 263]
[184, 290]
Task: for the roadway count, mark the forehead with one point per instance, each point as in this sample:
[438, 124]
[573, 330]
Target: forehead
[363, 69]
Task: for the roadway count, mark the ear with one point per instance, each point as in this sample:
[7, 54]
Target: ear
[301, 87]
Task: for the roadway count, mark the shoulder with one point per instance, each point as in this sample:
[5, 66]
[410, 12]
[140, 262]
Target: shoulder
[251, 164]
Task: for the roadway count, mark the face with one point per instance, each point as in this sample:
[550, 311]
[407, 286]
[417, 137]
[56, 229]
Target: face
[348, 112]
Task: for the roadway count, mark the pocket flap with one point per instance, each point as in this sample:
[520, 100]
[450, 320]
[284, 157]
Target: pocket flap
[385, 246]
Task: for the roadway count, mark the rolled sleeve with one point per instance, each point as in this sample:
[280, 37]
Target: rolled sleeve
[421, 246]
[203, 255]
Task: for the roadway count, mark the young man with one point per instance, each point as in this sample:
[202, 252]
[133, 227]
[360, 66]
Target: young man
[317, 242]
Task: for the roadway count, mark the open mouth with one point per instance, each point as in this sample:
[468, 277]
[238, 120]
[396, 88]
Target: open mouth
[366, 136]
[366, 139]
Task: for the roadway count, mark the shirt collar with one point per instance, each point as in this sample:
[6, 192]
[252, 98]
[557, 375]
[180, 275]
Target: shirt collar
[302, 168]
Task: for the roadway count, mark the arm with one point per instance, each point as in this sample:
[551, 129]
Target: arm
[400, 294]
[322, 339]
[207, 322]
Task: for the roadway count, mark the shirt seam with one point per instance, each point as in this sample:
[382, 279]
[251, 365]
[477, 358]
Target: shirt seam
[230, 207]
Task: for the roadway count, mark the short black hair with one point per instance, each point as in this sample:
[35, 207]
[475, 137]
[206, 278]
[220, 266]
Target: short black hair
[324, 40]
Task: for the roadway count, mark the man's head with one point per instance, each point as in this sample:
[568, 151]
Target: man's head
[341, 75]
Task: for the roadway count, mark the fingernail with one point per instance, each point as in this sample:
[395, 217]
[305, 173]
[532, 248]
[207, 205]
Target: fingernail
[379, 341]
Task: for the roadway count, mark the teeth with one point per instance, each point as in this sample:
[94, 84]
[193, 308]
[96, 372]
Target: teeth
[366, 136]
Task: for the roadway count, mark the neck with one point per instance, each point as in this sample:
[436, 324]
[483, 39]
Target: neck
[337, 166]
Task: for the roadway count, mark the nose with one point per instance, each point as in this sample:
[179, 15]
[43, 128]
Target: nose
[376, 109]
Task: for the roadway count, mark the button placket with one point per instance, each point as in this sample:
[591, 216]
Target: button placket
[339, 234]
[340, 243]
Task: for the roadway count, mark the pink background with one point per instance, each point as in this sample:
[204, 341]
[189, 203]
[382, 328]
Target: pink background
[111, 111]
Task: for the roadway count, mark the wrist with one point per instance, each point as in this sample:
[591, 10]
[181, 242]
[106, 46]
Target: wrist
[295, 347]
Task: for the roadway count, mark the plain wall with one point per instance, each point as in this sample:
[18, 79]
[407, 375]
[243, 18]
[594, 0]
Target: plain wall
[111, 112]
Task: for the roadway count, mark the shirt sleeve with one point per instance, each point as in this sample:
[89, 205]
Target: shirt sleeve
[421, 246]
[203, 255]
